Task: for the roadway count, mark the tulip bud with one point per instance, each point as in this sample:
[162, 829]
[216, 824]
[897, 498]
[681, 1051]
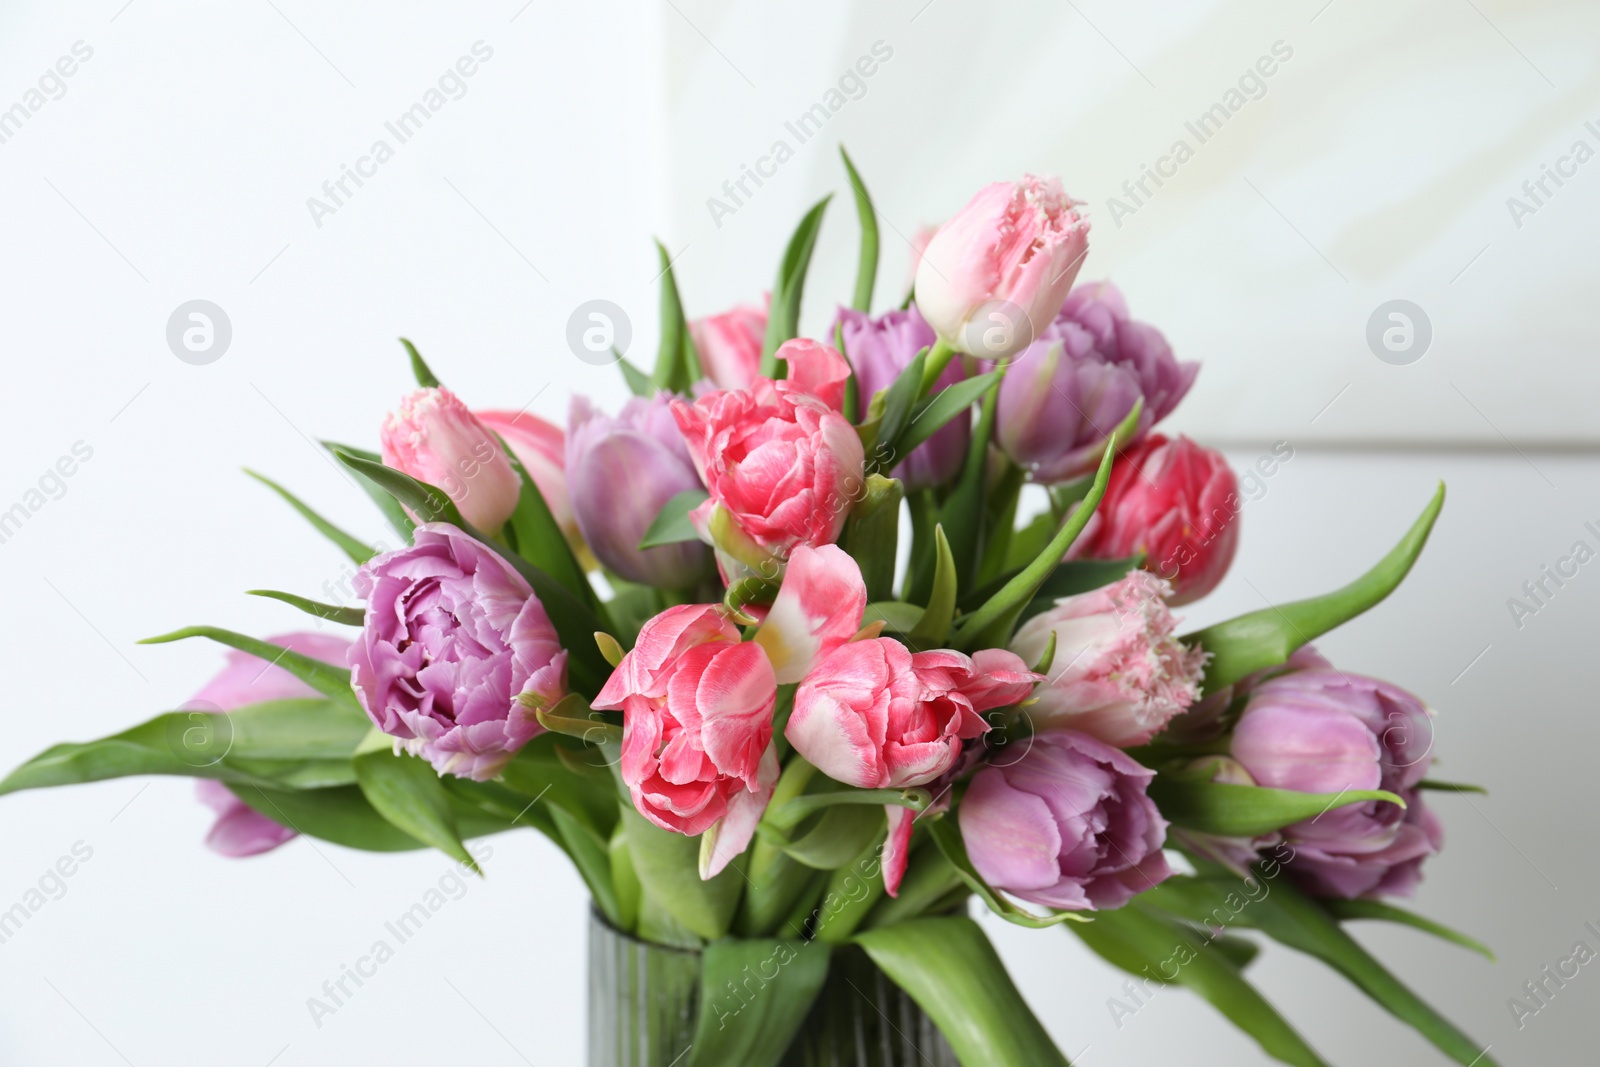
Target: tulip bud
[623, 471]
[1065, 394]
[879, 349]
[1067, 826]
[435, 439]
[729, 344]
[995, 274]
[1118, 674]
[1327, 731]
[1176, 502]
[541, 448]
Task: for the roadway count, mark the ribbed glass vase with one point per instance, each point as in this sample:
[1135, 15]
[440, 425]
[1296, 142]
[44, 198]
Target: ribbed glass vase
[643, 1000]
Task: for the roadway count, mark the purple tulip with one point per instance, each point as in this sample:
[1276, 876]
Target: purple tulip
[1065, 393]
[879, 349]
[457, 654]
[620, 472]
[1067, 826]
[240, 830]
[1323, 730]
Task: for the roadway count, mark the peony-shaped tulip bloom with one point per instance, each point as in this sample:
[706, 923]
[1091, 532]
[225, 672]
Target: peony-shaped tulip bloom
[879, 349]
[541, 448]
[239, 829]
[697, 706]
[623, 470]
[457, 654]
[781, 463]
[730, 344]
[1119, 674]
[435, 439]
[1326, 731]
[1176, 502]
[994, 276]
[1065, 394]
[1066, 826]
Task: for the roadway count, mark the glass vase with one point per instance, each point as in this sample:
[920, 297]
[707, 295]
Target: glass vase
[644, 1000]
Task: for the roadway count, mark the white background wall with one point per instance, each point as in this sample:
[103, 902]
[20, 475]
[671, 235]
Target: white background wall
[177, 166]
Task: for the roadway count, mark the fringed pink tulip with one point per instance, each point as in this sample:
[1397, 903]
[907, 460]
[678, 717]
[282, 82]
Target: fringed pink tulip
[435, 439]
[1119, 674]
[995, 275]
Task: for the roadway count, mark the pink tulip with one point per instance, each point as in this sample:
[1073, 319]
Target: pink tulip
[1176, 502]
[541, 448]
[818, 608]
[997, 273]
[729, 344]
[240, 830]
[697, 705]
[782, 465]
[1119, 674]
[435, 439]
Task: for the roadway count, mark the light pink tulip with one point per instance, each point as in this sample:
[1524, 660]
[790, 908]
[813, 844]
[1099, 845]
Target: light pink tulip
[541, 448]
[1119, 674]
[729, 344]
[435, 439]
[240, 830]
[782, 465]
[697, 751]
[1005, 260]
[818, 608]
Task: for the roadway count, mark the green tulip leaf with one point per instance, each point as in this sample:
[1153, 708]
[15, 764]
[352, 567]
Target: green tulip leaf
[387, 504]
[955, 975]
[783, 318]
[340, 815]
[346, 616]
[1153, 948]
[872, 534]
[668, 866]
[754, 1028]
[841, 834]
[637, 381]
[1268, 637]
[358, 550]
[934, 625]
[931, 415]
[867, 260]
[671, 524]
[677, 363]
[1247, 810]
[419, 367]
[325, 678]
[1377, 909]
[405, 790]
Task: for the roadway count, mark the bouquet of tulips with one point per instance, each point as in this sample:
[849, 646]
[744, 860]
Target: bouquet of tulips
[687, 643]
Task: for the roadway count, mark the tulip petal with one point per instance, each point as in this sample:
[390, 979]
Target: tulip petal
[818, 608]
[731, 835]
[897, 847]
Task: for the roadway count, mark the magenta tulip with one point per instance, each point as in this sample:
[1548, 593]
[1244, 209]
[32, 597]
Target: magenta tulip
[1176, 502]
[1068, 825]
[457, 655]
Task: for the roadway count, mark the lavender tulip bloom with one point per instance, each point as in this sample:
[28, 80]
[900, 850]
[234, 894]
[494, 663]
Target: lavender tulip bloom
[457, 654]
[240, 830]
[879, 349]
[1065, 393]
[1067, 826]
[1324, 731]
[620, 472]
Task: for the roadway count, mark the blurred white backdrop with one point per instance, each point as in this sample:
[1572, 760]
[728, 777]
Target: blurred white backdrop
[176, 161]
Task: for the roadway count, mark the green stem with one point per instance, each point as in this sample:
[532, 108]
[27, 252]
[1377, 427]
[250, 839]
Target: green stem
[853, 892]
[930, 878]
[791, 813]
[919, 572]
[939, 357]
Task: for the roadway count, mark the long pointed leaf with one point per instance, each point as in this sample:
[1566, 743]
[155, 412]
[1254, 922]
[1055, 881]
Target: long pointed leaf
[756, 1027]
[1377, 909]
[406, 790]
[954, 974]
[930, 416]
[867, 260]
[398, 519]
[419, 367]
[934, 625]
[348, 616]
[1268, 637]
[358, 550]
[1248, 810]
[671, 524]
[783, 319]
[325, 678]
